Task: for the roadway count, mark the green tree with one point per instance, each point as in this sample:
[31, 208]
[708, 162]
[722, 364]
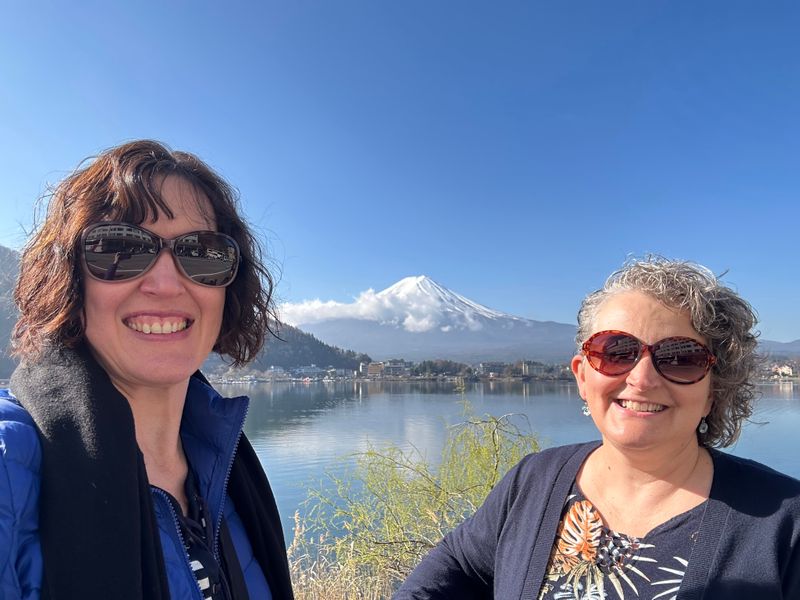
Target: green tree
[440, 367]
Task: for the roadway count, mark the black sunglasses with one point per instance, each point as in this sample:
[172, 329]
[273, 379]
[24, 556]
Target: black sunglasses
[677, 359]
[121, 251]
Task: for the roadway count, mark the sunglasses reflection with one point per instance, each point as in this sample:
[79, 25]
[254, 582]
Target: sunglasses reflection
[678, 359]
[111, 270]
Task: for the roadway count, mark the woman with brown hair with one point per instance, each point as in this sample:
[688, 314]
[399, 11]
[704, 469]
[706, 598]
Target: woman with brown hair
[126, 475]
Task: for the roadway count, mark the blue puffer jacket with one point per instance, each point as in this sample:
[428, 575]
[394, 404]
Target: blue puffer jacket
[210, 431]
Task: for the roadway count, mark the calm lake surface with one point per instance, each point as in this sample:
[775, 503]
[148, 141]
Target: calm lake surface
[301, 431]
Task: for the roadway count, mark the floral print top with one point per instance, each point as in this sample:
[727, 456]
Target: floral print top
[591, 562]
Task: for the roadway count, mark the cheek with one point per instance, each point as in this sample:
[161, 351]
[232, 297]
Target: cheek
[709, 397]
[213, 303]
[597, 386]
[101, 306]
[93, 302]
[220, 302]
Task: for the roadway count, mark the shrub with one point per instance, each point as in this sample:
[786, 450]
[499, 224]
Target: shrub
[365, 533]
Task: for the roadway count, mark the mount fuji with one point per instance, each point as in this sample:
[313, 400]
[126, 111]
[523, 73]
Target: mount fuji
[418, 319]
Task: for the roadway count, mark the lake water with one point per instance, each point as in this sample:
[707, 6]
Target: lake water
[300, 431]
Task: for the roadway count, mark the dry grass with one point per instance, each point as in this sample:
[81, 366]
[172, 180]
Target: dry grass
[321, 577]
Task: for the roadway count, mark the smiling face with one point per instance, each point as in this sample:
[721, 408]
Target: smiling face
[640, 409]
[157, 329]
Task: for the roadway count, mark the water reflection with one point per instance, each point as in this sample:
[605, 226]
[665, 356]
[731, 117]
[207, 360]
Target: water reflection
[301, 430]
[779, 389]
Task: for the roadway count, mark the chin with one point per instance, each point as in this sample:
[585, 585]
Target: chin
[644, 442]
[166, 373]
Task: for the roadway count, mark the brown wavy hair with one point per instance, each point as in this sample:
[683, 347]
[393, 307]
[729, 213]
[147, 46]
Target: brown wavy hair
[122, 184]
[717, 313]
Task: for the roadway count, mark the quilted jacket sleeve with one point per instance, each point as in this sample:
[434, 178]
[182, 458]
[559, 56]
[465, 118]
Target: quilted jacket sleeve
[20, 552]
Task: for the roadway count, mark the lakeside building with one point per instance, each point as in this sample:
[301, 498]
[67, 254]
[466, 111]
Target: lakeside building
[491, 369]
[309, 372]
[531, 368]
[397, 368]
[334, 373]
[780, 371]
[375, 369]
[276, 374]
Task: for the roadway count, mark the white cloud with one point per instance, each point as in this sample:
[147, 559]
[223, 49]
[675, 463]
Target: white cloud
[406, 304]
[416, 314]
[419, 324]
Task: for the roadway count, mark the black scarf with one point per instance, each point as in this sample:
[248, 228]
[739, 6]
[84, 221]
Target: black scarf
[97, 526]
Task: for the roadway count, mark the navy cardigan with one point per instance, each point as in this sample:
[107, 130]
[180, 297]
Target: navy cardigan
[749, 543]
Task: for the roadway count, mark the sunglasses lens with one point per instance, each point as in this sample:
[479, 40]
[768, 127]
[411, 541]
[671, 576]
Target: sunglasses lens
[677, 359]
[612, 353]
[208, 258]
[119, 251]
[115, 251]
[681, 360]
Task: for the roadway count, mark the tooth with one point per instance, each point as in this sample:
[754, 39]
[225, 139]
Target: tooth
[163, 328]
[642, 406]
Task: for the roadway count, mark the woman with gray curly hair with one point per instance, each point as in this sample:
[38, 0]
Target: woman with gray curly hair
[718, 314]
[665, 366]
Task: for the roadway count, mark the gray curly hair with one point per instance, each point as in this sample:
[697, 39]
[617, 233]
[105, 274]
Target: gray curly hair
[717, 313]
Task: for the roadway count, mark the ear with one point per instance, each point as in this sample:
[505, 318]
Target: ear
[578, 366]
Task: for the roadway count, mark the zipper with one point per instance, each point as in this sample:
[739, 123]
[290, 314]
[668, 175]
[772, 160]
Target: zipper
[158, 491]
[218, 525]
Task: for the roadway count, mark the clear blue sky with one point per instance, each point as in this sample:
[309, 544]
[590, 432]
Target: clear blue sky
[516, 152]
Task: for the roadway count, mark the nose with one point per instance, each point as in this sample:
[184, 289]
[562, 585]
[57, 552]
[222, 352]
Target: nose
[163, 278]
[644, 374]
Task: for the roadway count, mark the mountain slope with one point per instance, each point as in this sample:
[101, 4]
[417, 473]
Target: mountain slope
[424, 291]
[9, 268]
[295, 348]
[418, 318]
[776, 350]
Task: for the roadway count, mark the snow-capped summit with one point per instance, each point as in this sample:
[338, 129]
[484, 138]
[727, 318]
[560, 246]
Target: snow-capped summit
[422, 287]
[418, 318]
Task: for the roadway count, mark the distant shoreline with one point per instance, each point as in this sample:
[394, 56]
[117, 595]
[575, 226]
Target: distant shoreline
[446, 378]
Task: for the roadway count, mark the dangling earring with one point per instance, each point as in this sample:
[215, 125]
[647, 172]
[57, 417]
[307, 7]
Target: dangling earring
[703, 427]
[585, 409]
